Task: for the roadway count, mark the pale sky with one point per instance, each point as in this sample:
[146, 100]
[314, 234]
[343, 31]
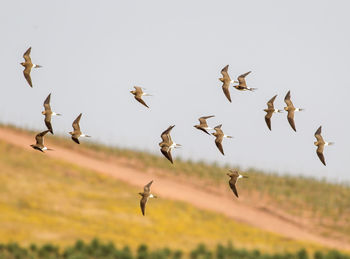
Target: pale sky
[94, 52]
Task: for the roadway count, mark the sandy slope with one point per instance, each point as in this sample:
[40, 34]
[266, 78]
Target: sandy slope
[171, 189]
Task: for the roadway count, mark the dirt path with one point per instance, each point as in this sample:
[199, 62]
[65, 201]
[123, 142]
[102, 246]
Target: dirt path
[168, 188]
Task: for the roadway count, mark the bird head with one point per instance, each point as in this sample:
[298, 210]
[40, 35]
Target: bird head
[71, 132]
[23, 64]
[141, 193]
[43, 112]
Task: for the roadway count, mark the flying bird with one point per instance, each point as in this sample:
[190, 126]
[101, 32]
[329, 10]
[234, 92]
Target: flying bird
[242, 85]
[28, 65]
[320, 143]
[290, 109]
[48, 113]
[219, 134]
[138, 93]
[39, 145]
[234, 175]
[146, 194]
[270, 111]
[77, 133]
[167, 143]
[203, 126]
[226, 80]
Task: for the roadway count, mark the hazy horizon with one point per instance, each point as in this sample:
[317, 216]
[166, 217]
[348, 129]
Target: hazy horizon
[94, 53]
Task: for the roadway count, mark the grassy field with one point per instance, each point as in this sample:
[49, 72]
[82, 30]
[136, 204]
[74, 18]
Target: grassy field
[325, 205]
[44, 200]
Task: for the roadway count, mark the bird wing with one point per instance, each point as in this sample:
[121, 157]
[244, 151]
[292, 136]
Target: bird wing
[232, 184]
[318, 135]
[138, 90]
[288, 101]
[26, 55]
[166, 134]
[268, 119]
[225, 88]
[143, 202]
[48, 122]
[75, 123]
[319, 152]
[26, 73]
[224, 72]
[147, 187]
[40, 137]
[270, 102]
[241, 78]
[218, 142]
[290, 118]
[167, 153]
[203, 120]
[204, 130]
[139, 99]
[47, 103]
[76, 140]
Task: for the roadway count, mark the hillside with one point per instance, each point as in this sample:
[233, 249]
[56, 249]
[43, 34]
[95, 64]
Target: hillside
[83, 199]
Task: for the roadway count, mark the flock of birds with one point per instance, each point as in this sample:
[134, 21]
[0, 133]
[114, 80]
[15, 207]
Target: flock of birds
[167, 144]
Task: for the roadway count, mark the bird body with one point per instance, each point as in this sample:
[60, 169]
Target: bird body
[226, 80]
[291, 110]
[219, 136]
[234, 176]
[28, 65]
[76, 134]
[167, 143]
[48, 113]
[270, 111]
[145, 195]
[242, 85]
[203, 126]
[138, 93]
[39, 145]
[320, 143]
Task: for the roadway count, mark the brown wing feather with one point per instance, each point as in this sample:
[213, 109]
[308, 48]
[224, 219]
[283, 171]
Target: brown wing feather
[319, 152]
[270, 102]
[47, 103]
[48, 122]
[76, 140]
[290, 118]
[232, 184]
[40, 137]
[203, 120]
[225, 88]
[147, 187]
[288, 101]
[268, 119]
[75, 123]
[143, 202]
[166, 134]
[167, 153]
[26, 73]
[139, 99]
[241, 78]
[26, 55]
[218, 142]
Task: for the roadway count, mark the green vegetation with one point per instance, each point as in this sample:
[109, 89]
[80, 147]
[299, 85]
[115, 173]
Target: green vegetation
[97, 250]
